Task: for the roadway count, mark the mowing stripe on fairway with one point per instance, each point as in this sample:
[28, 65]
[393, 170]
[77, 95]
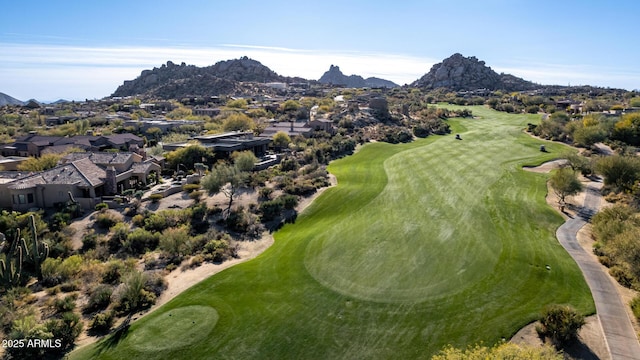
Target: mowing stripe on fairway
[436, 242]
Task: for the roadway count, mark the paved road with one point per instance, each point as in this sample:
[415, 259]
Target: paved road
[619, 334]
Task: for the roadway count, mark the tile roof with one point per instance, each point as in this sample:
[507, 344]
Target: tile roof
[101, 158]
[80, 172]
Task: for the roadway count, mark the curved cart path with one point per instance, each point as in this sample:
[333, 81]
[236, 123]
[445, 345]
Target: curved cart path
[619, 333]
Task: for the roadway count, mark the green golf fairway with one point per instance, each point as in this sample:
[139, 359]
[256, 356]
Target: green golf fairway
[440, 241]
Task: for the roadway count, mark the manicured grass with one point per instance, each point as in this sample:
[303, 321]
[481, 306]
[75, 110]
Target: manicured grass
[420, 245]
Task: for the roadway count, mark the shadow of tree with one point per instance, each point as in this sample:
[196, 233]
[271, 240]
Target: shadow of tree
[579, 350]
[118, 334]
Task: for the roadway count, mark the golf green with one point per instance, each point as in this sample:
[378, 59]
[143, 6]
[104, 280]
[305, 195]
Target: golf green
[420, 245]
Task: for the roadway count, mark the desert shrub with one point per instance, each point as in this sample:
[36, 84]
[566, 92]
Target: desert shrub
[501, 351]
[155, 283]
[218, 250]
[167, 218]
[155, 222]
[199, 218]
[67, 303]
[50, 273]
[107, 219]
[138, 220]
[271, 209]
[155, 197]
[635, 306]
[101, 322]
[114, 270]
[99, 298]
[196, 195]
[195, 261]
[265, 192]
[26, 327]
[60, 243]
[140, 240]
[56, 270]
[101, 206]
[67, 328]
[119, 233]
[621, 275]
[89, 240]
[173, 241]
[560, 323]
[70, 286]
[289, 201]
[133, 296]
[190, 187]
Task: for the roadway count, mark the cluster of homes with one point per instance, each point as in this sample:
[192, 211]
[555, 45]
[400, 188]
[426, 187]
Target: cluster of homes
[111, 164]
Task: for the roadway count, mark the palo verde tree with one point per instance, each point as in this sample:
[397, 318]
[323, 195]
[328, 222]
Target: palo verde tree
[228, 179]
[564, 182]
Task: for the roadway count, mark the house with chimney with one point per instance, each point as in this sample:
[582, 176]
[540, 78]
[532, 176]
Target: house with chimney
[86, 176]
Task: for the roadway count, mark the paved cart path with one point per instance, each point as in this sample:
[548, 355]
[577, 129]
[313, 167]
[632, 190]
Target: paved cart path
[618, 330]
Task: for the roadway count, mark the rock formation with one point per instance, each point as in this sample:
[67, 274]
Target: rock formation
[336, 77]
[177, 81]
[468, 73]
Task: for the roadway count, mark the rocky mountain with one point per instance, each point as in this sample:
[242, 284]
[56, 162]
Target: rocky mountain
[468, 73]
[177, 81]
[8, 100]
[336, 77]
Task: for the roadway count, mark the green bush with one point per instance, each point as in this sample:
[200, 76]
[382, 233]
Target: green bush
[289, 201]
[155, 197]
[217, 250]
[89, 240]
[65, 304]
[156, 222]
[67, 329]
[190, 187]
[635, 307]
[107, 219]
[621, 275]
[271, 209]
[101, 206]
[560, 323]
[99, 298]
[134, 296]
[140, 240]
[101, 322]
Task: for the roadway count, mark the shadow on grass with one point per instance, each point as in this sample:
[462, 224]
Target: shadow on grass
[119, 334]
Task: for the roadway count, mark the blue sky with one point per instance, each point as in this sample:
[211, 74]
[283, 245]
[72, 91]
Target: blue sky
[85, 49]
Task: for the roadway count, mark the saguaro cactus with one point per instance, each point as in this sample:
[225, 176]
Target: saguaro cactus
[37, 251]
[11, 265]
[11, 269]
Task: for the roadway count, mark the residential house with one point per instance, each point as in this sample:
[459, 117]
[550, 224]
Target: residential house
[34, 145]
[86, 176]
[224, 144]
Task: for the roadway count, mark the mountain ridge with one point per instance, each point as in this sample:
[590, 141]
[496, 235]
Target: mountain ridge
[335, 77]
[9, 100]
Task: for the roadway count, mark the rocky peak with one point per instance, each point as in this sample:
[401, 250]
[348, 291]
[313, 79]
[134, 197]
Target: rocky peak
[468, 73]
[336, 77]
[244, 69]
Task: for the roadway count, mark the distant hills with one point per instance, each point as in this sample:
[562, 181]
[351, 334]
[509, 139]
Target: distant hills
[335, 77]
[8, 100]
[468, 73]
[177, 81]
[455, 73]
